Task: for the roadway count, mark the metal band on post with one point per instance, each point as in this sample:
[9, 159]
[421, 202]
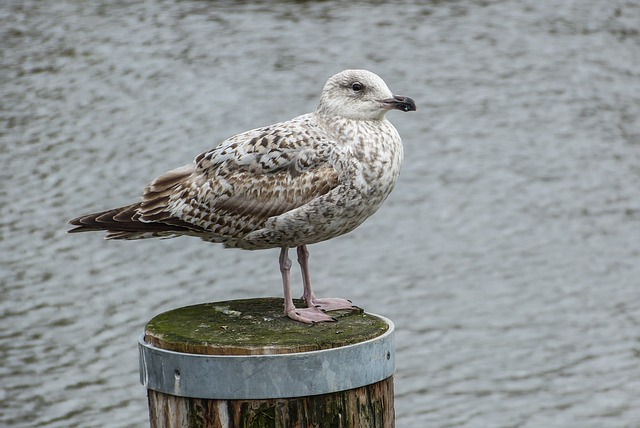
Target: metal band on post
[253, 377]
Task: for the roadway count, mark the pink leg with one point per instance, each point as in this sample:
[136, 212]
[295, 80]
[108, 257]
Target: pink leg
[326, 304]
[309, 315]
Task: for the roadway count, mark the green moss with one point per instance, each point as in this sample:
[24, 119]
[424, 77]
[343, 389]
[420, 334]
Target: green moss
[255, 326]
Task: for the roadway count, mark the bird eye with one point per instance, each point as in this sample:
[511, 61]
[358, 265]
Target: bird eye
[357, 86]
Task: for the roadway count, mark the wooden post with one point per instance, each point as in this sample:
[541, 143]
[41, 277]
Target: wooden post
[241, 363]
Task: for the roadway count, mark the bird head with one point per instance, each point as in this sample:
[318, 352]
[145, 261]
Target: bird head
[360, 95]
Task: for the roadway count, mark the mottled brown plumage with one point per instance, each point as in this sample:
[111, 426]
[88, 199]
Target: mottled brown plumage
[290, 184]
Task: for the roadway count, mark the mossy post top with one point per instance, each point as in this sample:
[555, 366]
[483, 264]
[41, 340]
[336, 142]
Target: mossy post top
[246, 349]
[255, 327]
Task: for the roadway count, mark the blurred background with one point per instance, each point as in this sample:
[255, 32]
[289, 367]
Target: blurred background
[508, 256]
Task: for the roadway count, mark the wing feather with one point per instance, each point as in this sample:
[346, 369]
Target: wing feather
[231, 190]
[234, 188]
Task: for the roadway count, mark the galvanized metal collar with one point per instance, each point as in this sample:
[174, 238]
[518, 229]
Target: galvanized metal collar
[253, 377]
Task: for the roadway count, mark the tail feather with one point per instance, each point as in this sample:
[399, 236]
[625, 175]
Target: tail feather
[124, 223]
[150, 218]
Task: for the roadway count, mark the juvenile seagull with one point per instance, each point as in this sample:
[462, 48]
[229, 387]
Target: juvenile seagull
[291, 184]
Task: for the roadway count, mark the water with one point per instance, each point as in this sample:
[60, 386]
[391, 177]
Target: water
[508, 255]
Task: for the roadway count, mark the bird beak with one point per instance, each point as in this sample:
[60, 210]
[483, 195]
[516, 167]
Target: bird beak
[398, 102]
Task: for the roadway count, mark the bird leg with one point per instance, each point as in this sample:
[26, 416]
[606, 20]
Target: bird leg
[326, 304]
[310, 315]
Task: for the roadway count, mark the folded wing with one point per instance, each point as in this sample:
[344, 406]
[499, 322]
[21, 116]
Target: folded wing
[228, 191]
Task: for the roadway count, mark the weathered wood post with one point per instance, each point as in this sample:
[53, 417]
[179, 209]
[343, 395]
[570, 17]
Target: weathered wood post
[240, 363]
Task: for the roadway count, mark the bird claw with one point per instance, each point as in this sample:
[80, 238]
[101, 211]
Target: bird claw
[310, 315]
[332, 304]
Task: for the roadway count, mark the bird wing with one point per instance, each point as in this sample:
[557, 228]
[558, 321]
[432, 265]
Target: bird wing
[235, 187]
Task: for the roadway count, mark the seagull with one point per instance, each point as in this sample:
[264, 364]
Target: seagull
[291, 184]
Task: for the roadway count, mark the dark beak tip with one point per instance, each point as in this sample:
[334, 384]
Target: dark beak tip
[408, 104]
[399, 102]
[402, 103]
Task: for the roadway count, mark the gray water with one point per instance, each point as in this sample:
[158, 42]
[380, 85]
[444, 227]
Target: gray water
[508, 256]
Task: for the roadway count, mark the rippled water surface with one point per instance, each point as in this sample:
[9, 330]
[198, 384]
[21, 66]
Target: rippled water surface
[508, 256]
